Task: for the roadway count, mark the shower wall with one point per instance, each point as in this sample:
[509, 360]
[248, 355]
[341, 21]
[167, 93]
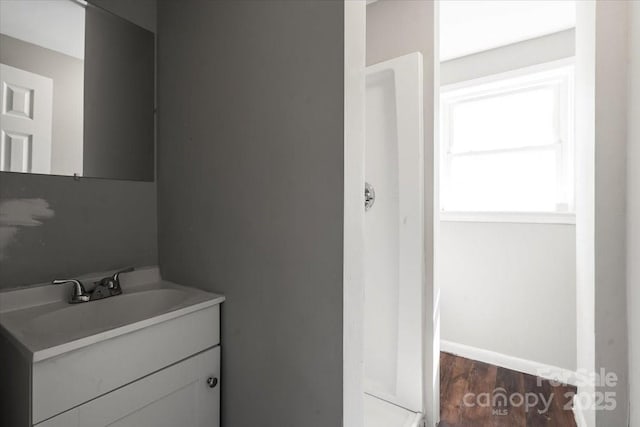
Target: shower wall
[396, 28]
[394, 233]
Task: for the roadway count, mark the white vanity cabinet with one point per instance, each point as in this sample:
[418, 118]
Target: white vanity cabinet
[149, 357]
[186, 394]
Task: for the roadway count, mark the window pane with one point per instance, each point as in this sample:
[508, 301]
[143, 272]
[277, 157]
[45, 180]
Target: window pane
[516, 181]
[511, 120]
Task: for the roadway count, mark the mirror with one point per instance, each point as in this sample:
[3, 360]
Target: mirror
[78, 88]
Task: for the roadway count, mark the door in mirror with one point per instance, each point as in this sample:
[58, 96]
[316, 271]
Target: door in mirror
[77, 91]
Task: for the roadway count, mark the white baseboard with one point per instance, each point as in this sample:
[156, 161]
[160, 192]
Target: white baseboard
[530, 367]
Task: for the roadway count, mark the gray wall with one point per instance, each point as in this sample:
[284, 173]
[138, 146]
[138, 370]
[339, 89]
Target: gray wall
[96, 225]
[118, 127]
[250, 178]
[633, 212]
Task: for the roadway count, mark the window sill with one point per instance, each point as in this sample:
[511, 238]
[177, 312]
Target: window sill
[510, 217]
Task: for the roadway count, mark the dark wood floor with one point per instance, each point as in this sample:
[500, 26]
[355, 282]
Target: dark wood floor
[471, 396]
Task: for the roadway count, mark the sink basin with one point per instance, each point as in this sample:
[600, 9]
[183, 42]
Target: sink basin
[46, 328]
[77, 320]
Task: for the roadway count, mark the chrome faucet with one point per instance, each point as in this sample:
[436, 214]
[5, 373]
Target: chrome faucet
[79, 293]
[106, 287]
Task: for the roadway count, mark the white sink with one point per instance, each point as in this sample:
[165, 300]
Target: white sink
[49, 325]
[78, 320]
[63, 356]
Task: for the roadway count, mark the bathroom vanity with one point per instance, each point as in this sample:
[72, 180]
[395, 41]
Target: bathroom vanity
[148, 357]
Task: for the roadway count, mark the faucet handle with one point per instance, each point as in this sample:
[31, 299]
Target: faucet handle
[79, 293]
[113, 282]
[116, 275]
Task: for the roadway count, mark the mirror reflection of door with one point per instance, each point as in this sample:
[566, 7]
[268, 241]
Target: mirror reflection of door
[25, 121]
[95, 115]
[42, 41]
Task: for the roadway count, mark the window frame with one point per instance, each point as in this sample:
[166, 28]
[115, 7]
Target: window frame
[558, 75]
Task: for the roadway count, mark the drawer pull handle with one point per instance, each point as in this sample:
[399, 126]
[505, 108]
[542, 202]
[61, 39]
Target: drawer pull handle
[212, 382]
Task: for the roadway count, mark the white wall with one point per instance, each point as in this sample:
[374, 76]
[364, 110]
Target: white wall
[633, 212]
[509, 288]
[469, 26]
[52, 24]
[551, 47]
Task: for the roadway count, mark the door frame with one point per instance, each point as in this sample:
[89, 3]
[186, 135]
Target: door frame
[353, 237]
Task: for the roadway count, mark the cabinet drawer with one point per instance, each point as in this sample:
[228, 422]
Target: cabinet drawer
[176, 396]
[71, 379]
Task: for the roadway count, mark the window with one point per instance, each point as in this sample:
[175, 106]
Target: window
[507, 145]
